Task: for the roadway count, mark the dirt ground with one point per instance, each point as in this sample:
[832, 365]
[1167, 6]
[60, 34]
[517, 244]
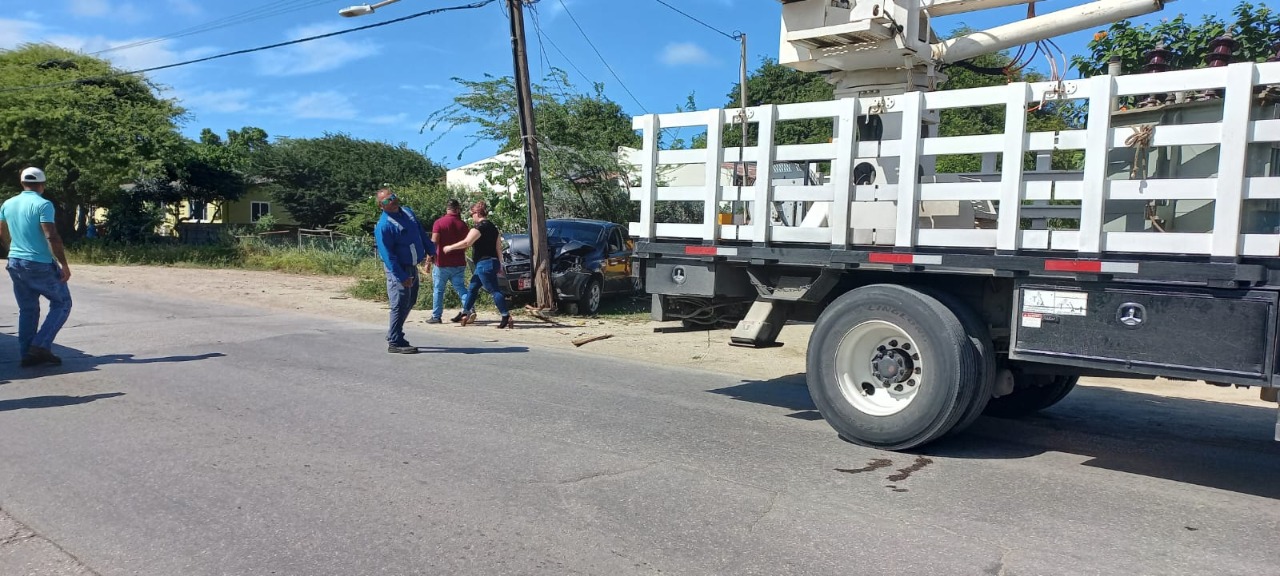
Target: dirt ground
[326, 296]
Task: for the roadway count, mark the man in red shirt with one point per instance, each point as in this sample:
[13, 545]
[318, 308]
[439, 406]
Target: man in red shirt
[449, 267]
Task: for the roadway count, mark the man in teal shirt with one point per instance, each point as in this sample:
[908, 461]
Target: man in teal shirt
[27, 229]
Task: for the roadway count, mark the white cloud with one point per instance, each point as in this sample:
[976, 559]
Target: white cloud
[126, 12]
[216, 101]
[685, 53]
[16, 32]
[421, 87]
[327, 105]
[390, 119]
[185, 7]
[316, 55]
[90, 8]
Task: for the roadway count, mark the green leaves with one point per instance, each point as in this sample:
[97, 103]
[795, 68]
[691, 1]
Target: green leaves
[91, 135]
[318, 178]
[1256, 28]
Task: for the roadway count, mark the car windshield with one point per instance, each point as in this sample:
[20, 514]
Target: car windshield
[584, 232]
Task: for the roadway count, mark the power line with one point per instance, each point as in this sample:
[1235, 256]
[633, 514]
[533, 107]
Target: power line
[735, 36]
[262, 12]
[602, 60]
[479, 4]
[543, 37]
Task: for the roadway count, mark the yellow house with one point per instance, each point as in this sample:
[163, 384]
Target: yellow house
[246, 211]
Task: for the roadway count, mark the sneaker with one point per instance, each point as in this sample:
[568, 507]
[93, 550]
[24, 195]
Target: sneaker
[398, 349]
[41, 356]
[433, 320]
[458, 318]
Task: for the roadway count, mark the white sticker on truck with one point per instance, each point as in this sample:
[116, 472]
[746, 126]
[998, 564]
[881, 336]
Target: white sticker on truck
[1032, 319]
[1055, 302]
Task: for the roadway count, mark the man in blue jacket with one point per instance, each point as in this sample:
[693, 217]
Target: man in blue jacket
[403, 247]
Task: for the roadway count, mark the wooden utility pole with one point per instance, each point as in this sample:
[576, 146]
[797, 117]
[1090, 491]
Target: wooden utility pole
[532, 167]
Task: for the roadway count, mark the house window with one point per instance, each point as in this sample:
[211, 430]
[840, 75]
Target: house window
[199, 210]
[258, 210]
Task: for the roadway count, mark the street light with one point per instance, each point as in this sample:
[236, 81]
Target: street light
[362, 9]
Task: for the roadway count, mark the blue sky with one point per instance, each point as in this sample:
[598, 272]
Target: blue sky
[382, 84]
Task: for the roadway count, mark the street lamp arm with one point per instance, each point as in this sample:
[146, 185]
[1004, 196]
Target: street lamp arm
[363, 9]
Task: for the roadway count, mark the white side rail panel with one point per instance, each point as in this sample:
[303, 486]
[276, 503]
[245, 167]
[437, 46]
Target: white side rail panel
[897, 209]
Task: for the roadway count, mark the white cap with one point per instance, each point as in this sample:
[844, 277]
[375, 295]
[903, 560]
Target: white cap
[33, 174]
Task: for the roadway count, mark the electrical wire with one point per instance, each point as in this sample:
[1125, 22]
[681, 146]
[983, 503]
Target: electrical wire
[473, 5]
[262, 12]
[735, 36]
[601, 56]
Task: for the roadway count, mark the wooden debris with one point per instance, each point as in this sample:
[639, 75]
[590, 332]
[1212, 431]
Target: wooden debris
[589, 339]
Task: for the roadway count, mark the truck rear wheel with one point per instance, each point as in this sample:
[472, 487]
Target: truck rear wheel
[1034, 393]
[891, 367]
[980, 334]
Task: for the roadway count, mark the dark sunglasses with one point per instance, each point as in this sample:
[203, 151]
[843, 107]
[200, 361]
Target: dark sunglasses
[389, 199]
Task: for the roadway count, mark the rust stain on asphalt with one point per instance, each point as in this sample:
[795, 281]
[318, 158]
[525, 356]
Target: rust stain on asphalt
[874, 464]
[905, 473]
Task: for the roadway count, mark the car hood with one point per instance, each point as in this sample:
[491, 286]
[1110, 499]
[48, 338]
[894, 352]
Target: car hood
[520, 245]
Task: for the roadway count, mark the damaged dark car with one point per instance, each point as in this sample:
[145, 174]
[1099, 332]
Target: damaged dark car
[590, 260]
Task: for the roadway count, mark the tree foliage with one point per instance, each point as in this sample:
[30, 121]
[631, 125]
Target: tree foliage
[317, 179]
[579, 135]
[562, 115]
[1047, 117]
[1255, 28]
[91, 129]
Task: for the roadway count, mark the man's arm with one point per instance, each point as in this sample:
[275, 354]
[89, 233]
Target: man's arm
[55, 245]
[465, 243]
[4, 235]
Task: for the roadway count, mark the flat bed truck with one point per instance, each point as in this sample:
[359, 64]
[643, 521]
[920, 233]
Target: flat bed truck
[936, 298]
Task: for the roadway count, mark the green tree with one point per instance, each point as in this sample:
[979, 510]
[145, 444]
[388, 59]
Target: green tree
[773, 83]
[1047, 117]
[562, 115]
[1255, 28]
[90, 128]
[579, 134]
[317, 179]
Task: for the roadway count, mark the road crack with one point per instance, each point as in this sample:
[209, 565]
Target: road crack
[20, 535]
[599, 475]
[773, 502]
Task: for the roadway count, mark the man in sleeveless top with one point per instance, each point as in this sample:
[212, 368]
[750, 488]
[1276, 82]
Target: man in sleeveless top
[403, 247]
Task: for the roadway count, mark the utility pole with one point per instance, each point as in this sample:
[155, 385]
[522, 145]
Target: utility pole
[532, 167]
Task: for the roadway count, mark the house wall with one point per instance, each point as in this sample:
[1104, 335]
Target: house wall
[471, 176]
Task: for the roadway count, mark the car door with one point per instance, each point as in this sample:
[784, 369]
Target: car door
[617, 264]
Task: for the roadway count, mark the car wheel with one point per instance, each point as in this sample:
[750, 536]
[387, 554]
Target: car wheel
[592, 295]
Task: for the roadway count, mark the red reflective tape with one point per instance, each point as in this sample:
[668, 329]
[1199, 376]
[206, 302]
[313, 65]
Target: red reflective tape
[700, 250]
[888, 258]
[1073, 265]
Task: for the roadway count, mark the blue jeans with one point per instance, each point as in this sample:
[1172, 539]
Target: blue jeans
[31, 280]
[486, 275]
[440, 278]
[401, 301]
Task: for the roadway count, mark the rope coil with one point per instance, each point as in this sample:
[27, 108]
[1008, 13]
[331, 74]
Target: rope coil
[1140, 141]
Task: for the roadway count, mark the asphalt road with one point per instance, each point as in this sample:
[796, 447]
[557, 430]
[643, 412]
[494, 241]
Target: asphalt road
[183, 438]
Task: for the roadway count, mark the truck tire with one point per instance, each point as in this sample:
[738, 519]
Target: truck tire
[980, 335]
[891, 367]
[1034, 393]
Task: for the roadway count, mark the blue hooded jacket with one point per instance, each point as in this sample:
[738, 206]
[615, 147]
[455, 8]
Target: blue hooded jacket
[401, 243]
